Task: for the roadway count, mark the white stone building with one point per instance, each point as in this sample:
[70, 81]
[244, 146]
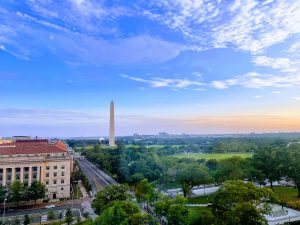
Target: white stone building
[43, 160]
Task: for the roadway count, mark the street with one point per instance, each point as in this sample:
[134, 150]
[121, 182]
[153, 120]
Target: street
[97, 178]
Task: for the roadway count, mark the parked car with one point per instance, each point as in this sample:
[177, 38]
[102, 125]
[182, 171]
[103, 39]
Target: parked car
[49, 206]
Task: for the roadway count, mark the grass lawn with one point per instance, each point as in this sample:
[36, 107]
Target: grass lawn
[288, 196]
[217, 156]
[200, 199]
[199, 210]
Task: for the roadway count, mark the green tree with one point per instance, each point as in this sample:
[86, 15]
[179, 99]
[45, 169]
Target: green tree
[142, 219]
[16, 192]
[292, 167]
[135, 178]
[239, 203]
[267, 161]
[26, 219]
[37, 190]
[51, 216]
[211, 164]
[189, 176]
[200, 218]
[69, 217]
[145, 192]
[234, 168]
[118, 213]
[175, 210]
[2, 193]
[109, 194]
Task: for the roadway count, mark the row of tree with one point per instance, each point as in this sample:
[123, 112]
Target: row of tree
[18, 192]
[236, 203]
[266, 166]
[133, 164]
[115, 205]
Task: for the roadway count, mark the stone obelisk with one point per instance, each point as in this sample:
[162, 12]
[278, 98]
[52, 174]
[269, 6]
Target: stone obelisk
[112, 125]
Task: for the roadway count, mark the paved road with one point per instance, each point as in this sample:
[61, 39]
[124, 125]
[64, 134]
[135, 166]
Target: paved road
[37, 215]
[97, 178]
[42, 210]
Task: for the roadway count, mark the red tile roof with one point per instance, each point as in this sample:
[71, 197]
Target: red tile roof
[32, 147]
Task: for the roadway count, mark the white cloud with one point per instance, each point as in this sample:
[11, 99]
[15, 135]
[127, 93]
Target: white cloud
[78, 47]
[295, 47]
[283, 64]
[257, 96]
[158, 82]
[197, 74]
[256, 80]
[276, 92]
[249, 25]
[296, 98]
[219, 84]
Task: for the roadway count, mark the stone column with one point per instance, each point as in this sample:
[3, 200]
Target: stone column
[22, 174]
[41, 173]
[38, 173]
[4, 177]
[30, 176]
[13, 174]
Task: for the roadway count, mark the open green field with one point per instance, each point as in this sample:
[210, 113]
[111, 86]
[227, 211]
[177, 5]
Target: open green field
[288, 196]
[200, 199]
[199, 210]
[217, 156]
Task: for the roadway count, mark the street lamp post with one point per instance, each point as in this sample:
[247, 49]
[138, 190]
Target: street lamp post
[3, 218]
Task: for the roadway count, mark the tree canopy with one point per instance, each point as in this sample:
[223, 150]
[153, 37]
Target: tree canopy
[189, 176]
[240, 203]
[109, 194]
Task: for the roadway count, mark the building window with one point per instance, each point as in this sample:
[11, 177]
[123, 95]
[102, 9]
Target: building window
[47, 182]
[54, 181]
[55, 167]
[62, 189]
[62, 167]
[62, 173]
[47, 167]
[47, 174]
[62, 181]
[55, 174]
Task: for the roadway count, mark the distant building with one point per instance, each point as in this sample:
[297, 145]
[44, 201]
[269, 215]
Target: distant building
[5, 141]
[15, 138]
[163, 134]
[37, 159]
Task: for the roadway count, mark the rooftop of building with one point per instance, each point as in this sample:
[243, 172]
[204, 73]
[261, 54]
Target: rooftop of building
[33, 146]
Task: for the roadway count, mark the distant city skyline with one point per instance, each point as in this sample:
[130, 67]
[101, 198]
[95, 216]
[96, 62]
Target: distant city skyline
[180, 66]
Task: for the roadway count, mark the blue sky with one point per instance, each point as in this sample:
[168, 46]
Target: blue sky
[180, 66]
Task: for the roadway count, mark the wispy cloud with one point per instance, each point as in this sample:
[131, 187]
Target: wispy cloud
[276, 92]
[283, 64]
[248, 25]
[158, 82]
[256, 80]
[296, 98]
[70, 29]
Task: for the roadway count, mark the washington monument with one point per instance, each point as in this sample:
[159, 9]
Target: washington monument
[112, 125]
